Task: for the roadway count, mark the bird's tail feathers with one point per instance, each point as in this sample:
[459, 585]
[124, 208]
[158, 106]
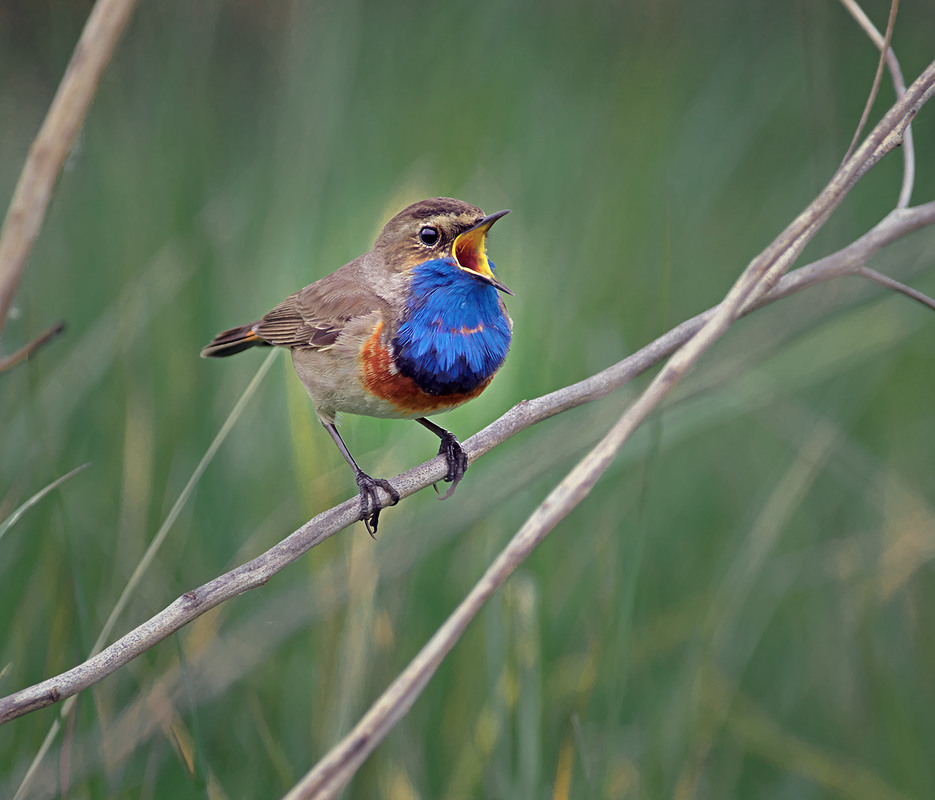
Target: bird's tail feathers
[232, 341]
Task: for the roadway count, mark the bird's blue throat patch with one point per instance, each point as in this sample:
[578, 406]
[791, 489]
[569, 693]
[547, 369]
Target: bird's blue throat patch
[454, 335]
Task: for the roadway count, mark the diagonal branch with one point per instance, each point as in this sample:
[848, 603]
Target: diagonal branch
[896, 286]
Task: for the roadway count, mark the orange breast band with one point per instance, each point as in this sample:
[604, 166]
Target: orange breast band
[403, 392]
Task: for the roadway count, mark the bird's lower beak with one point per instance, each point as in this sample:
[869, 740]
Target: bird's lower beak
[470, 251]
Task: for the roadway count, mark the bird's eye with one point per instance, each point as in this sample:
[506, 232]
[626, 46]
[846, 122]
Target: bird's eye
[429, 236]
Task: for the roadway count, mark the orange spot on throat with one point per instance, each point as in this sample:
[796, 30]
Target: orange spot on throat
[464, 330]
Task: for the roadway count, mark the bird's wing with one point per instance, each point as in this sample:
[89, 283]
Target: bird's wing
[315, 316]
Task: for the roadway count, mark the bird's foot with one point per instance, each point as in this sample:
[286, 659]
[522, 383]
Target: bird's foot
[370, 503]
[457, 462]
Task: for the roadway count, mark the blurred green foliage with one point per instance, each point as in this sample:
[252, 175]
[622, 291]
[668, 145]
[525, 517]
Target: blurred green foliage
[742, 607]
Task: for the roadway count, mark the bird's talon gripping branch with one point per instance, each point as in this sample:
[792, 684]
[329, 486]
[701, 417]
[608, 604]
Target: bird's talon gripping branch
[370, 503]
[457, 462]
[453, 452]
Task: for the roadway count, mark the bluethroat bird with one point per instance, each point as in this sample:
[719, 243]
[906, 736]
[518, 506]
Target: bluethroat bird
[414, 327]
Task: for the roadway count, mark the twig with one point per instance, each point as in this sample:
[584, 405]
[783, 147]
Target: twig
[877, 78]
[55, 140]
[899, 84]
[28, 349]
[896, 286]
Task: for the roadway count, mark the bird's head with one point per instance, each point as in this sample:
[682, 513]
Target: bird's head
[440, 228]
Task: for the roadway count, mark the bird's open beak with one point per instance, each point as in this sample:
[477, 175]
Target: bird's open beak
[470, 251]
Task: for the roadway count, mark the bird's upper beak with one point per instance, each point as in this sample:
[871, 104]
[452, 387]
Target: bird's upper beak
[470, 251]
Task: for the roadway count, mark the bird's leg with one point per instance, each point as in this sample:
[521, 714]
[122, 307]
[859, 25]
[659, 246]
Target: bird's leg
[370, 505]
[452, 451]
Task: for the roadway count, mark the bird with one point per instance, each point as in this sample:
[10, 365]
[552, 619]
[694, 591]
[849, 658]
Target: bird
[413, 328]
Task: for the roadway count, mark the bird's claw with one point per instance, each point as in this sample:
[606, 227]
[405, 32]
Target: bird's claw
[457, 460]
[370, 503]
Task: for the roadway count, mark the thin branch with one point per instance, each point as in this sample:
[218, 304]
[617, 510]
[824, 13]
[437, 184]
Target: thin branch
[55, 140]
[28, 349]
[899, 84]
[877, 78]
[879, 41]
[848, 260]
[896, 286]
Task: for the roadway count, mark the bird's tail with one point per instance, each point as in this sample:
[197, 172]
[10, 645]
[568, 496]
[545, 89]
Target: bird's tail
[232, 341]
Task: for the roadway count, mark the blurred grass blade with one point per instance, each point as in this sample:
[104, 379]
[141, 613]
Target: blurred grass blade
[11, 520]
[173, 514]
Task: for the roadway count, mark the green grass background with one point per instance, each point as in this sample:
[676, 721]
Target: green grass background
[743, 606]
